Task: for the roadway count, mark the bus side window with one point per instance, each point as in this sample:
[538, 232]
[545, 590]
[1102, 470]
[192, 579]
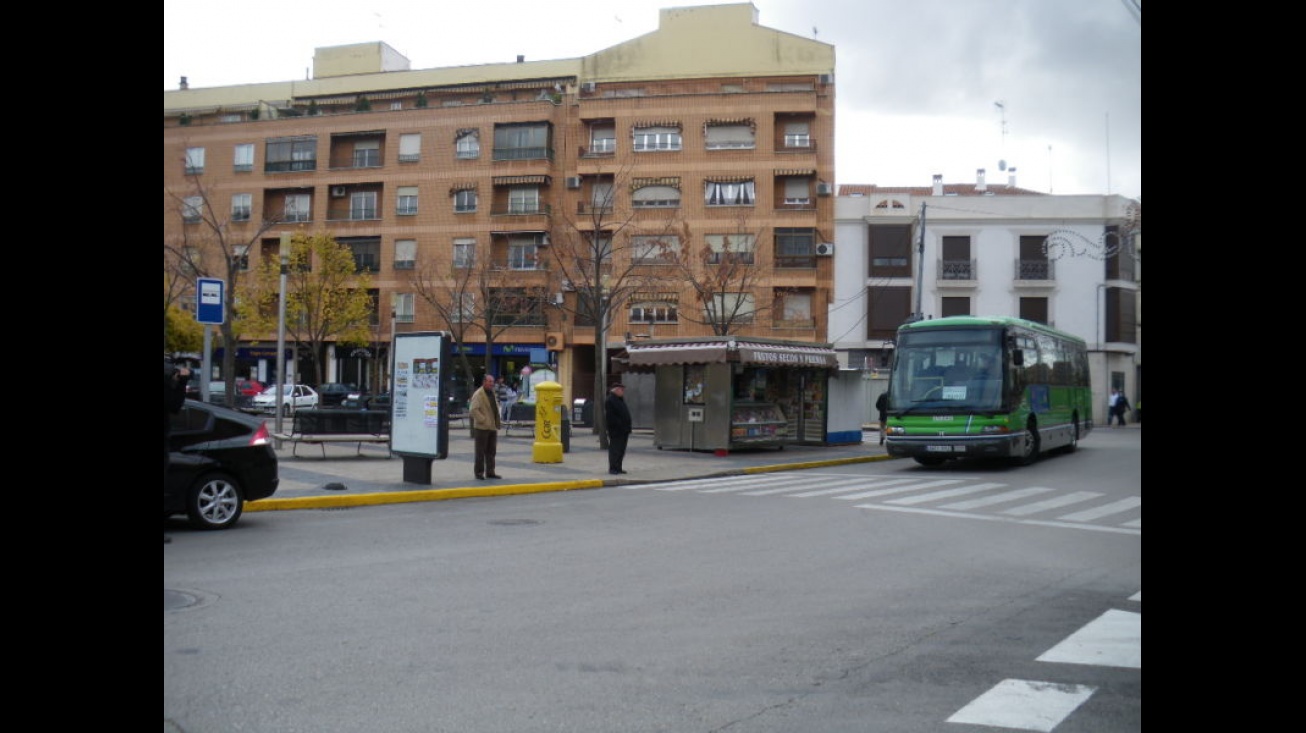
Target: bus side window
[1018, 357]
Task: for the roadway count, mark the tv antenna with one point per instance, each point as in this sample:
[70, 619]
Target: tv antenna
[1002, 110]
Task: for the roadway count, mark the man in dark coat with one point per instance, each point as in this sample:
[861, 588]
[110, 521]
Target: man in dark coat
[174, 396]
[617, 417]
[882, 406]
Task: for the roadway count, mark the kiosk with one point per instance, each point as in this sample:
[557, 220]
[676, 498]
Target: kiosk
[726, 393]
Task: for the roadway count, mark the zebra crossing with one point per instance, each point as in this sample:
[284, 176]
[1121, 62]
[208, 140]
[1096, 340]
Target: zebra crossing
[963, 497]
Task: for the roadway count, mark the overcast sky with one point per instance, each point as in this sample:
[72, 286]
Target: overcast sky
[919, 83]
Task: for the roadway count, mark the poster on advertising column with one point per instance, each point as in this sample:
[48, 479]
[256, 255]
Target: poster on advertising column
[419, 425]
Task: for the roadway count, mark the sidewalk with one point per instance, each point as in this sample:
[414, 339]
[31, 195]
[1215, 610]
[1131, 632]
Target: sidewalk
[345, 478]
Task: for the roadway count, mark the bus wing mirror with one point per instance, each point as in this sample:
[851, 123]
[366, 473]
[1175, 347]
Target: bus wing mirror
[1018, 357]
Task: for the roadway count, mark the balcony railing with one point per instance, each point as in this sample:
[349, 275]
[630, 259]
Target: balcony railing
[795, 204]
[586, 208]
[523, 153]
[795, 261]
[362, 213]
[521, 210]
[1035, 270]
[956, 269]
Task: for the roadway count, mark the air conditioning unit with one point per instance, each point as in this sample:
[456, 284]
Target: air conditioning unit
[827, 78]
[825, 249]
[822, 189]
[588, 87]
[573, 181]
[554, 341]
[337, 192]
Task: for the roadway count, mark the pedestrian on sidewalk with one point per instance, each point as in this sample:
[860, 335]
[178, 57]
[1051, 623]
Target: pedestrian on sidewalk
[617, 417]
[1118, 406]
[882, 407]
[486, 421]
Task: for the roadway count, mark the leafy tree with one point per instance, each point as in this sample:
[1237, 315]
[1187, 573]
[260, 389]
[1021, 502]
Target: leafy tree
[181, 332]
[327, 298]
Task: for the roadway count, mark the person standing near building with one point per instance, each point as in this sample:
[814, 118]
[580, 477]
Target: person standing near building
[486, 421]
[1117, 405]
[882, 407]
[507, 397]
[616, 415]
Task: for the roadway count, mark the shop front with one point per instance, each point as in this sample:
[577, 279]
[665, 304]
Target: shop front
[723, 393]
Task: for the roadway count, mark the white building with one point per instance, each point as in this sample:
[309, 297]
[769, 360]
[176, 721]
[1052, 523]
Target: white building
[1072, 262]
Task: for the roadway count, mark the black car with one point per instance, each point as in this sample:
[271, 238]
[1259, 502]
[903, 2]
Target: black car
[220, 459]
[332, 394]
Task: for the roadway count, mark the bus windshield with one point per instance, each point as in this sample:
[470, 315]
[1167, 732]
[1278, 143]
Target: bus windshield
[948, 371]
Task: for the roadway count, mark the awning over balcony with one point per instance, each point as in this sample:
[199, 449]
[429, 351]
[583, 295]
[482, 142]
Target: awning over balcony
[795, 171]
[520, 180]
[719, 350]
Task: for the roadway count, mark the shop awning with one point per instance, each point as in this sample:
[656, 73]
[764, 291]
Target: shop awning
[644, 356]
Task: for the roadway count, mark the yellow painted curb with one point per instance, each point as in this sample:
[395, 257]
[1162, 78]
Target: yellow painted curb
[405, 497]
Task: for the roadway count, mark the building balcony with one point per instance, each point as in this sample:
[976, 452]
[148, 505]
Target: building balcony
[1035, 272]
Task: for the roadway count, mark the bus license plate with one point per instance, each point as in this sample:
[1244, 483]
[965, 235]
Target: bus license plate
[943, 448]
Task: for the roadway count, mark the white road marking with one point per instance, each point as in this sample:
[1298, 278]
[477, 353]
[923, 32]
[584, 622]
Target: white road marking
[1002, 498]
[1105, 510]
[899, 489]
[948, 494]
[1114, 639]
[1024, 705]
[1053, 503]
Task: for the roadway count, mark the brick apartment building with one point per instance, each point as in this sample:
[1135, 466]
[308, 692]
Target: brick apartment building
[712, 134]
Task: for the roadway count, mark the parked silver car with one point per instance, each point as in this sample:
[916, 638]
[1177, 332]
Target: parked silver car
[293, 397]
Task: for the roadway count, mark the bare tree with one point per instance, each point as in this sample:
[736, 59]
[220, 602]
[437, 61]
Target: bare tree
[606, 256]
[472, 292]
[727, 280]
[327, 298]
[211, 243]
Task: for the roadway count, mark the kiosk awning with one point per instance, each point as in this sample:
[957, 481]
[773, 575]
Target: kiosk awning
[749, 353]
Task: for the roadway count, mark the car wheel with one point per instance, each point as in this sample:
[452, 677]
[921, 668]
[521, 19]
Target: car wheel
[215, 501]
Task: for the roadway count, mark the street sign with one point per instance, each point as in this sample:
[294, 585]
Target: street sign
[209, 301]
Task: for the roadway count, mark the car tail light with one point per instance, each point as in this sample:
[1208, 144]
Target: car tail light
[261, 436]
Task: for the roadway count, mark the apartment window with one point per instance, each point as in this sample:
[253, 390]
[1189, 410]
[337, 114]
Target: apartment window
[956, 263]
[795, 247]
[1121, 316]
[663, 137]
[464, 201]
[730, 248]
[467, 144]
[657, 196]
[603, 138]
[516, 307]
[194, 161]
[298, 207]
[653, 308]
[240, 256]
[464, 253]
[1119, 255]
[886, 309]
[890, 250]
[403, 305]
[797, 190]
[242, 205]
[465, 307]
[523, 252]
[954, 306]
[407, 202]
[723, 308]
[797, 134]
[655, 250]
[291, 154]
[1033, 264]
[192, 209]
[362, 205]
[796, 310]
[405, 254]
[410, 147]
[367, 252]
[729, 193]
[243, 158]
[367, 154]
[730, 135]
[523, 200]
[1034, 309]
[524, 141]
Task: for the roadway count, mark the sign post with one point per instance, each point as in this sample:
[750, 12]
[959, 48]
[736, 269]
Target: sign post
[210, 310]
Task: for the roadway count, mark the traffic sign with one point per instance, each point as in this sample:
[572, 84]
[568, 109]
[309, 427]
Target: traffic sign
[209, 301]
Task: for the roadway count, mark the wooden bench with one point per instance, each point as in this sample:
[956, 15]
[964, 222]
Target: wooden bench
[337, 426]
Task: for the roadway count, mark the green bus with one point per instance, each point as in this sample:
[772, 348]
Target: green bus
[986, 387]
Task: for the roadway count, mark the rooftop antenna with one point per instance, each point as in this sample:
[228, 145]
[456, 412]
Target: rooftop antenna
[1002, 109]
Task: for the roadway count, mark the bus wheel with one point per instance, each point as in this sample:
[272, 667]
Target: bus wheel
[1074, 435]
[1030, 453]
[929, 460]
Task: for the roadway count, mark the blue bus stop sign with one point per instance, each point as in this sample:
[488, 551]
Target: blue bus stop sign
[209, 300]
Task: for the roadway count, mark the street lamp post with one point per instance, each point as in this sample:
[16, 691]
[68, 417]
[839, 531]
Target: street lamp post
[281, 333]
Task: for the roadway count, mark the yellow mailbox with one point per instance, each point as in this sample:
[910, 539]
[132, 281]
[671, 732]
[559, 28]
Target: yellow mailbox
[548, 423]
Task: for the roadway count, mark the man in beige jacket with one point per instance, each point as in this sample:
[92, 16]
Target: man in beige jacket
[486, 422]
